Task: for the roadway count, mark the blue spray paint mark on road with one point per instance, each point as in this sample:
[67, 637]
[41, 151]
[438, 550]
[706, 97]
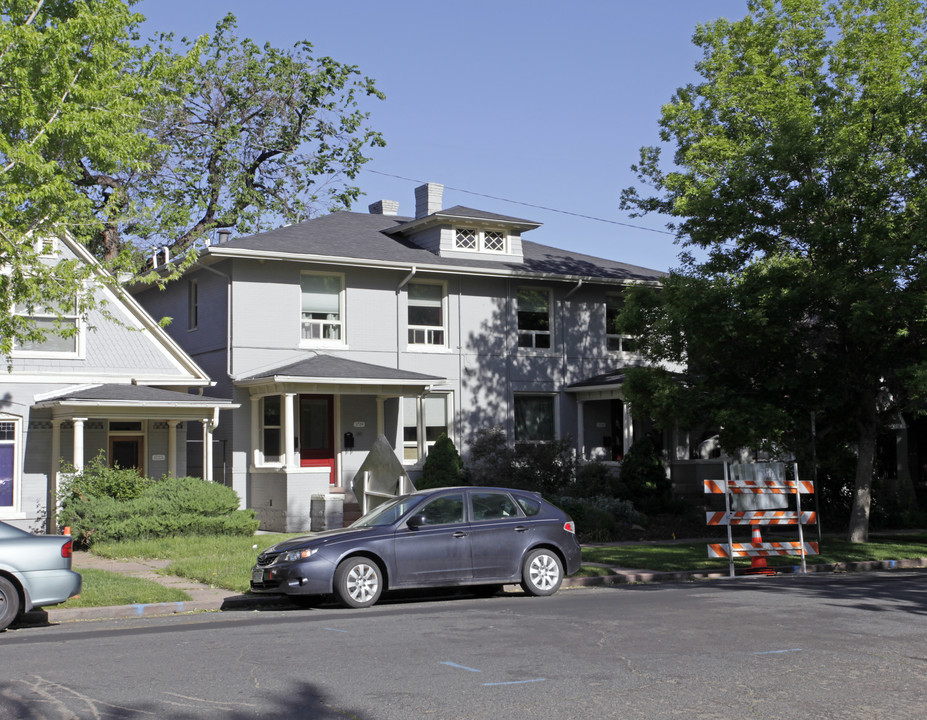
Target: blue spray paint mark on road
[462, 667]
[335, 630]
[777, 652]
[515, 682]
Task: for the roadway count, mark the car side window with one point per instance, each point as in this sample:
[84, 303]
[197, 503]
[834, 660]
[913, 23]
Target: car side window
[444, 510]
[492, 506]
[531, 507]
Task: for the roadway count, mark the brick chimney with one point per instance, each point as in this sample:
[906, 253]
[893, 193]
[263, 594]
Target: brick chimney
[384, 207]
[428, 199]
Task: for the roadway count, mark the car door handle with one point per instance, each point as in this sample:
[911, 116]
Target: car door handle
[459, 534]
[520, 528]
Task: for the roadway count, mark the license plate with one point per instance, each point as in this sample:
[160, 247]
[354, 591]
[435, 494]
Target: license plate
[257, 576]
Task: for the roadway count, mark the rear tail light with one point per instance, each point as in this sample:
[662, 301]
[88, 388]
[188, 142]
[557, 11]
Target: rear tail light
[66, 549]
[569, 526]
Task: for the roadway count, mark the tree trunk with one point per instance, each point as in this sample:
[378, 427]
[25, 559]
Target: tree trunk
[865, 460]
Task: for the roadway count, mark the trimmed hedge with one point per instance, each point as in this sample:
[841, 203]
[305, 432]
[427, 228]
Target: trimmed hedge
[172, 506]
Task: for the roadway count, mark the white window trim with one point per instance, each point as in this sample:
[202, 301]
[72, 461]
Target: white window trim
[80, 340]
[481, 241]
[14, 512]
[342, 308]
[429, 347]
[550, 323]
[608, 336]
[260, 460]
[556, 411]
[421, 444]
[47, 247]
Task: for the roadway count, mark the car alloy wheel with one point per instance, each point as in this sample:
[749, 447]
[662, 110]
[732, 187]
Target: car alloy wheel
[542, 573]
[358, 582]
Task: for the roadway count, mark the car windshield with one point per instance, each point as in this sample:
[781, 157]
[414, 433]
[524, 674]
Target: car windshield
[389, 512]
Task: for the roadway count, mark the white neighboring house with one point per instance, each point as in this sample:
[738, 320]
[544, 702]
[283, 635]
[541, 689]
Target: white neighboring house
[333, 332]
[118, 386]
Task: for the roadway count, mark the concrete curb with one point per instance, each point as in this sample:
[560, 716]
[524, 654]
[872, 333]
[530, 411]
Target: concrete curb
[241, 603]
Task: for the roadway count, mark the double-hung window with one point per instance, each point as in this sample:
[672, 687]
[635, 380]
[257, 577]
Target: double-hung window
[535, 418]
[614, 340]
[271, 426]
[322, 308]
[426, 315]
[424, 420]
[59, 322]
[533, 309]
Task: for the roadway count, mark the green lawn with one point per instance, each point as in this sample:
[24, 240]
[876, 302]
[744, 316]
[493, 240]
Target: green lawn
[221, 561]
[102, 588]
[674, 557]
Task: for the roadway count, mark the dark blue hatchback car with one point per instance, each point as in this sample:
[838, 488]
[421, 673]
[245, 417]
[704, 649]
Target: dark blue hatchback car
[463, 536]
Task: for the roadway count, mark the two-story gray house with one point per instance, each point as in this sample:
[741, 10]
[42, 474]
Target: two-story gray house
[118, 385]
[334, 332]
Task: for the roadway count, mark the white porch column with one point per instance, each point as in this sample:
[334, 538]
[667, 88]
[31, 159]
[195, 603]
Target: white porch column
[289, 429]
[580, 429]
[207, 450]
[51, 525]
[628, 425]
[172, 447]
[256, 447]
[78, 443]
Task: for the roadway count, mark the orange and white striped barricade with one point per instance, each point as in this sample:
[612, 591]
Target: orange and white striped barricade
[757, 494]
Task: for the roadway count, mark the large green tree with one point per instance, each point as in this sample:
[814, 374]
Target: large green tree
[248, 136]
[799, 186]
[65, 99]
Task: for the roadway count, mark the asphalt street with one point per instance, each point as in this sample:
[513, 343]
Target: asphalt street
[834, 646]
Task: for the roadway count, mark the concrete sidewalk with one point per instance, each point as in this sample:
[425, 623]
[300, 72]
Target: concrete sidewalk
[206, 598]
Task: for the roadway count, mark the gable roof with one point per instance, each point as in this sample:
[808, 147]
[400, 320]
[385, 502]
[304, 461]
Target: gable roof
[123, 342]
[362, 238]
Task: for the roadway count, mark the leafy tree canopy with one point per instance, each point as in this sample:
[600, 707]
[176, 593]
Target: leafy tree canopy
[125, 145]
[799, 172]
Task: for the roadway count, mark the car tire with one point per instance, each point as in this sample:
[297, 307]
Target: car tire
[542, 573]
[358, 582]
[9, 603]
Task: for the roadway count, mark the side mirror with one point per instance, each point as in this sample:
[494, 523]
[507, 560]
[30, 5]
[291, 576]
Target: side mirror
[416, 521]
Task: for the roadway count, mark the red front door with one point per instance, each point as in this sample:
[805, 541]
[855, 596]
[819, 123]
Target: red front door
[317, 433]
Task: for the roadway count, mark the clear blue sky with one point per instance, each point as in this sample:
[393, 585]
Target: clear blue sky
[543, 102]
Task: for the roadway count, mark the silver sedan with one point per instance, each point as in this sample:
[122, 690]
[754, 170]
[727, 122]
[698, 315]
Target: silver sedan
[35, 571]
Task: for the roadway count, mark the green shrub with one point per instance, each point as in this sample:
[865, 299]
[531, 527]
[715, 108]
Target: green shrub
[490, 460]
[442, 467]
[100, 480]
[172, 506]
[596, 479]
[643, 475]
[599, 518]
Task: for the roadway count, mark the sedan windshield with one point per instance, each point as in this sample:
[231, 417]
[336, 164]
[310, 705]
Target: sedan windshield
[389, 512]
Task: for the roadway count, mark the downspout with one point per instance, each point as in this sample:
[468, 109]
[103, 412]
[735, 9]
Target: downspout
[563, 368]
[405, 281]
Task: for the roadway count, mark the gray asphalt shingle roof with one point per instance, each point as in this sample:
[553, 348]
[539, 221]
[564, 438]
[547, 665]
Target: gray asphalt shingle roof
[364, 236]
[334, 368]
[132, 394]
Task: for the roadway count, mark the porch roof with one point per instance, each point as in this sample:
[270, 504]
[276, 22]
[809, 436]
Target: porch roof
[322, 369]
[117, 400]
[611, 379]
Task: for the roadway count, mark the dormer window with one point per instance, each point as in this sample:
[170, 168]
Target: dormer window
[491, 241]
